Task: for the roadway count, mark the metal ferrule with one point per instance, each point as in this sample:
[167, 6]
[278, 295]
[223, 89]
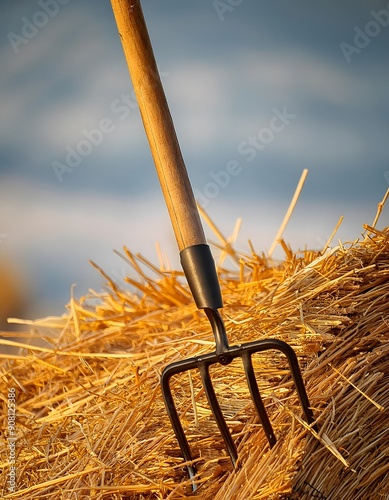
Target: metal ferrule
[200, 271]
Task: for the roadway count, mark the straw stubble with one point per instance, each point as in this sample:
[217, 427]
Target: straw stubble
[90, 417]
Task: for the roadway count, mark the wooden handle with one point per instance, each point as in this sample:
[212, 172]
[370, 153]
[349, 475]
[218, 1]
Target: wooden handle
[158, 123]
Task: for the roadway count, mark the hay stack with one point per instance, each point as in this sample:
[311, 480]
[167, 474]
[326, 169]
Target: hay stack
[90, 417]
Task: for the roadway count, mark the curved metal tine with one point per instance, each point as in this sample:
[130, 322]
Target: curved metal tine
[298, 380]
[217, 413]
[219, 332]
[176, 424]
[256, 397]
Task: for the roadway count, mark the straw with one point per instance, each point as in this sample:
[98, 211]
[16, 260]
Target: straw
[289, 212]
[90, 420]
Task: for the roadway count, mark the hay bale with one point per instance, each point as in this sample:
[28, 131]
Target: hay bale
[90, 421]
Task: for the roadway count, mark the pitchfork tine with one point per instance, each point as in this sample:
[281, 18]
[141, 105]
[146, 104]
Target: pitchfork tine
[175, 420]
[196, 257]
[256, 397]
[225, 354]
[217, 413]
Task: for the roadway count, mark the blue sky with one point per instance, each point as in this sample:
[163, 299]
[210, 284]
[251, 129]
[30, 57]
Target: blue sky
[258, 91]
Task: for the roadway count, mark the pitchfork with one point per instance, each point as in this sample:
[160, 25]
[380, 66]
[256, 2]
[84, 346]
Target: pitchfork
[195, 254]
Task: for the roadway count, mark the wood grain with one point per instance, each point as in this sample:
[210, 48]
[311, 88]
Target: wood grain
[158, 123]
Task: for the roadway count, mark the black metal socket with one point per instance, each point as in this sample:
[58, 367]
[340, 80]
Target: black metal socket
[200, 271]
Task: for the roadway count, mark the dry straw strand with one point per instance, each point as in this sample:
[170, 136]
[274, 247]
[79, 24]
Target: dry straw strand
[90, 418]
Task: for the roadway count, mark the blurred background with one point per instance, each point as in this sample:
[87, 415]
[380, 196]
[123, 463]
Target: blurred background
[258, 92]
